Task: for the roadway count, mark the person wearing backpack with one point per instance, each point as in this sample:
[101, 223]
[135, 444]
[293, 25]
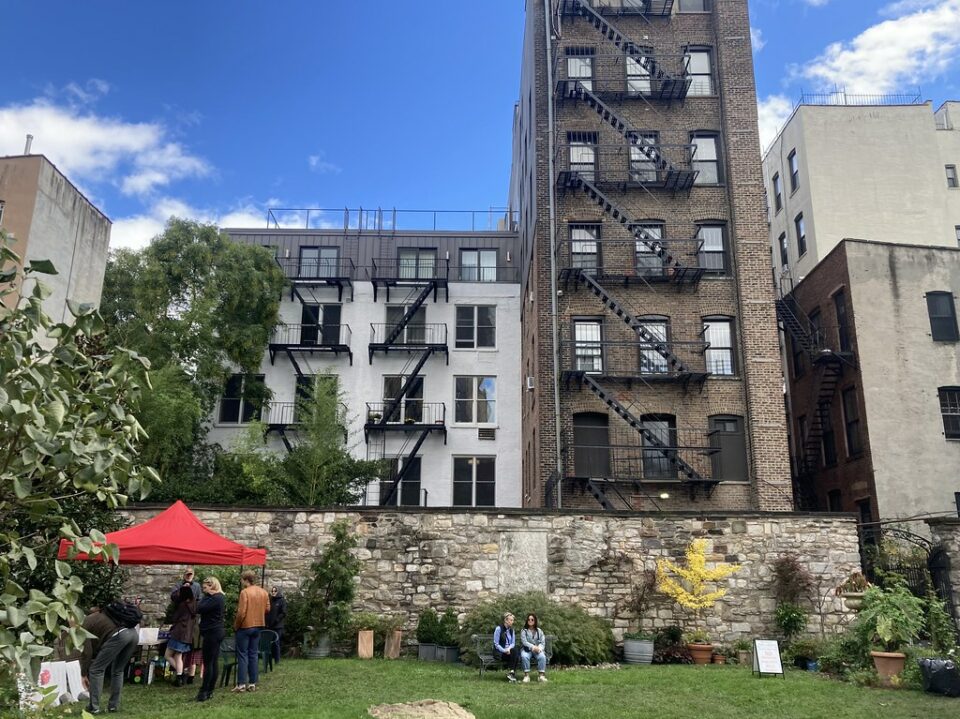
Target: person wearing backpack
[115, 638]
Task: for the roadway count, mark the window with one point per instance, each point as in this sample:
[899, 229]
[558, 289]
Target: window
[643, 158]
[801, 229]
[952, 176]
[319, 261]
[584, 247]
[475, 399]
[950, 409]
[474, 481]
[408, 493]
[956, 229]
[242, 399]
[649, 263]
[784, 249]
[580, 65]
[794, 170]
[835, 500]
[416, 263]
[843, 324]
[816, 327]
[583, 154]
[713, 254]
[478, 265]
[591, 445]
[943, 317]
[727, 436]
[798, 354]
[718, 333]
[777, 194]
[308, 387]
[700, 72]
[801, 441]
[706, 160]
[659, 442]
[588, 350]
[320, 324]
[828, 440]
[3, 204]
[851, 420]
[694, 5]
[411, 408]
[415, 331]
[476, 327]
[651, 361]
[638, 74]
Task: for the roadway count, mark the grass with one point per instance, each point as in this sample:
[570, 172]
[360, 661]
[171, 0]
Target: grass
[347, 687]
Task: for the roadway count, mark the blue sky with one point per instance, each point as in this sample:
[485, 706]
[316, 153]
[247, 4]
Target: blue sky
[218, 111]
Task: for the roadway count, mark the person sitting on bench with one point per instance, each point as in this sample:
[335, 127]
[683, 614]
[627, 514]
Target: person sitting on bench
[505, 646]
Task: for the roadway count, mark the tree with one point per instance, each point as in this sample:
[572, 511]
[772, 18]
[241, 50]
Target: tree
[688, 586]
[67, 430]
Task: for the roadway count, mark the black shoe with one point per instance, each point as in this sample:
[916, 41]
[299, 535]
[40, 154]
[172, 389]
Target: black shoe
[189, 679]
[178, 682]
[204, 696]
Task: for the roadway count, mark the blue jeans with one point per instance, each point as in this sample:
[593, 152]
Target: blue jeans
[541, 660]
[248, 657]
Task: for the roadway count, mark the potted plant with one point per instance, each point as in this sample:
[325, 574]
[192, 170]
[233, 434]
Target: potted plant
[852, 590]
[365, 623]
[428, 628]
[392, 628]
[806, 654]
[329, 591]
[719, 655]
[448, 647]
[409, 420]
[742, 647]
[638, 648]
[891, 618]
[689, 587]
[374, 417]
[791, 619]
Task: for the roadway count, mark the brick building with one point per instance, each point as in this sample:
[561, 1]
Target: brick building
[649, 334]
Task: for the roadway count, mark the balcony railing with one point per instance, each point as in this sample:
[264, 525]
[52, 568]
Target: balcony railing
[634, 360]
[635, 261]
[626, 165]
[385, 220]
[413, 335]
[413, 413]
[658, 76]
[636, 463]
[314, 269]
[620, 7]
[393, 269]
[473, 273]
[311, 335]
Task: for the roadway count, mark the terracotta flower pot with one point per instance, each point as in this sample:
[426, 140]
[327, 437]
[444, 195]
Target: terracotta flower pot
[888, 664]
[701, 653]
[719, 659]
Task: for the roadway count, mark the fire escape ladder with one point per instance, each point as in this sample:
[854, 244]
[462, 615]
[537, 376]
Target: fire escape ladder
[797, 324]
[599, 493]
[404, 468]
[410, 379]
[828, 377]
[628, 46]
[651, 341]
[410, 312]
[650, 439]
[576, 181]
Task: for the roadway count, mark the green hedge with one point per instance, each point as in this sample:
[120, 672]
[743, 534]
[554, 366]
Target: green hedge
[580, 638]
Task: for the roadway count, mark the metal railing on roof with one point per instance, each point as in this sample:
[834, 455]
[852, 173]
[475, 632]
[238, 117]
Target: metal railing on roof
[493, 219]
[839, 96]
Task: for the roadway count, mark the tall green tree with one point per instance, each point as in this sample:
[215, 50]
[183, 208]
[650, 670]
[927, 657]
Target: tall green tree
[67, 431]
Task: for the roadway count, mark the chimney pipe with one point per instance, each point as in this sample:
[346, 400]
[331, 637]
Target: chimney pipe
[26, 149]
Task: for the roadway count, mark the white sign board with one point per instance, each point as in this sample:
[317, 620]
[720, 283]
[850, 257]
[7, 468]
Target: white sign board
[766, 657]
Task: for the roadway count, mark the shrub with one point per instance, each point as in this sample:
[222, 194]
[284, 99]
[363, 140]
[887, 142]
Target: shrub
[329, 591]
[844, 654]
[791, 619]
[911, 676]
[669, 648]
[580, 638]
[668, 636]
[449, 629]
[939, 626]
[428, 627]
[792, 581]
[891, 617]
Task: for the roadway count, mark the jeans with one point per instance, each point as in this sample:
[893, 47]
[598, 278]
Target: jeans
[248, 657]
[113, 657]
[541, 660]
[275, 648]
[211, 659]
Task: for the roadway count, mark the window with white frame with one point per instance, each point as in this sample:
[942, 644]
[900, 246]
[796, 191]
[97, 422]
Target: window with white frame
[475, 400]
[588, 350]
[580, 65]
[706, 159]
[713, 250]
[652, 361]
[582, 147]
[478, 265]
[718, 334]
[476, 327]
[242, 399]
[474, 481]
[585, 247]
[638, 76]
[417, 263]
[700, 72]
[319, 261]
[408, 493]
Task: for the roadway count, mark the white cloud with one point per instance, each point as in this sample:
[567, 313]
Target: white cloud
[816, 3]
[919, 45]
[319, 165]
[903, 7]
[90, 148]
[756, 39]
[772, 112]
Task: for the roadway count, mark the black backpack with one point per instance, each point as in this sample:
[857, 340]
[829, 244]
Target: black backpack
[124, 614]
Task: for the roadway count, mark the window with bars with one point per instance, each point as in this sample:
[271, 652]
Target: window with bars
[478, 265]
[706, 159]
[474, 481]
[950, 410]
[718, 333]
[659, 452]
[415, 331]
[585, 247]
[700, 72]
[943, 317]
[580, 65]
[319, 261]
[587, 347]
[713, 251]
[649, 263]
[416, 263]
[582, 147]
[476, 327]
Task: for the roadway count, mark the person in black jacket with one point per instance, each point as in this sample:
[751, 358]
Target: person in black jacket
[275, 618]
[211, 610]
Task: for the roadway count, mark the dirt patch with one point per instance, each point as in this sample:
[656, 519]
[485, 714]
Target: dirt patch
[424, 709]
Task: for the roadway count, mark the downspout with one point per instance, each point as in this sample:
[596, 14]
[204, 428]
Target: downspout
[547, 16]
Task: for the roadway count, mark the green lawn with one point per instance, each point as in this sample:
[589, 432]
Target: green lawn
[347, 687]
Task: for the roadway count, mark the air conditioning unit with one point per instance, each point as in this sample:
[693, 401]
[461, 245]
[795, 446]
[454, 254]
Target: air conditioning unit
[530, 384]
[487, 433]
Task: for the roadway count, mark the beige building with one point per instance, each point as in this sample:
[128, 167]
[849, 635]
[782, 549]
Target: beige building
[50, 219]
[883, 172]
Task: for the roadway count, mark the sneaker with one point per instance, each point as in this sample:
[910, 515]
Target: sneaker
[526, 679]
[511, 677]
[251, 687]
[541, 678]
[239, 688]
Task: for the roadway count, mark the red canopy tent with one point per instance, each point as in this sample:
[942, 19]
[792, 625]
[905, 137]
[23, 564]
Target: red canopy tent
[175, 536]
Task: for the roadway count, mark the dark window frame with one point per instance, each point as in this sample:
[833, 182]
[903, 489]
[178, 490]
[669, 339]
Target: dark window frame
[597, 254]
[724, 253]
[800, 227]
[588, 344]
[582, 53]
[246, 411]
[731, 350]
[652, 264]
[844, 340]
[711, 76]
[783, 242]
[953, 181]
[853, 435]
[696, 164]
[660, 461]
[943, 326]
[717, 441]
[949, 398]
[707, 6]
[410, 487]
[777, 193]
[794, 166]
[474, 465]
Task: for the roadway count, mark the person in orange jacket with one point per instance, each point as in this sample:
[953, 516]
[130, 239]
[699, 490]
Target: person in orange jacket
[251, 616]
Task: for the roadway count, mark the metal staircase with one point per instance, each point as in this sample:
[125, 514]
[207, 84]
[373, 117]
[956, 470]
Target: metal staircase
[408, 453]
[822, 397]
[673, 87]
[679, 272]
[797, 324]
[409, 313]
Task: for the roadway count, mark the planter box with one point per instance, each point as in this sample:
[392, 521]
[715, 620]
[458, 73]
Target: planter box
[391, 644]
[448, 654]
[637, 651]
[427, 652]
[365, 644]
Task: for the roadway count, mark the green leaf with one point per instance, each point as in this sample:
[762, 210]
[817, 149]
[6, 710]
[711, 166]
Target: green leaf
[22, 486]
[44, 267]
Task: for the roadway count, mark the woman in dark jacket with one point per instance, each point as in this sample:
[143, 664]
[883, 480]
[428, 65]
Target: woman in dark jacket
[211, 610]
[276, 616]
[181, 631]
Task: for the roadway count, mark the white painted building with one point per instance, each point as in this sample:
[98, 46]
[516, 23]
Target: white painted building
[464, 412]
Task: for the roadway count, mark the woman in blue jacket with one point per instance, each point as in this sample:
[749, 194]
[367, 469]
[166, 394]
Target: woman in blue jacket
[534, 643]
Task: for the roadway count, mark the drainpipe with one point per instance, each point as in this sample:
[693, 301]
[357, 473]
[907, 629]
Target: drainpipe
[547, 14]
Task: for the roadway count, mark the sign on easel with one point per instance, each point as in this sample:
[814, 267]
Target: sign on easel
[766, 657]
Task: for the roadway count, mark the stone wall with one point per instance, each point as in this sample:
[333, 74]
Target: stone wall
[946, 533]
[419, 558]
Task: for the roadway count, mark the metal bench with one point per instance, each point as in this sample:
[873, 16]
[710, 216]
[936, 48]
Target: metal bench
[483, 647]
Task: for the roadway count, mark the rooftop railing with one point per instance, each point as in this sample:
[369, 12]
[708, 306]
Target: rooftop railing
[380, 220]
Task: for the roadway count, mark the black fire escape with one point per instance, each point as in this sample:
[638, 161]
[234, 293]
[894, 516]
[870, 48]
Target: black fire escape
[406, 412]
